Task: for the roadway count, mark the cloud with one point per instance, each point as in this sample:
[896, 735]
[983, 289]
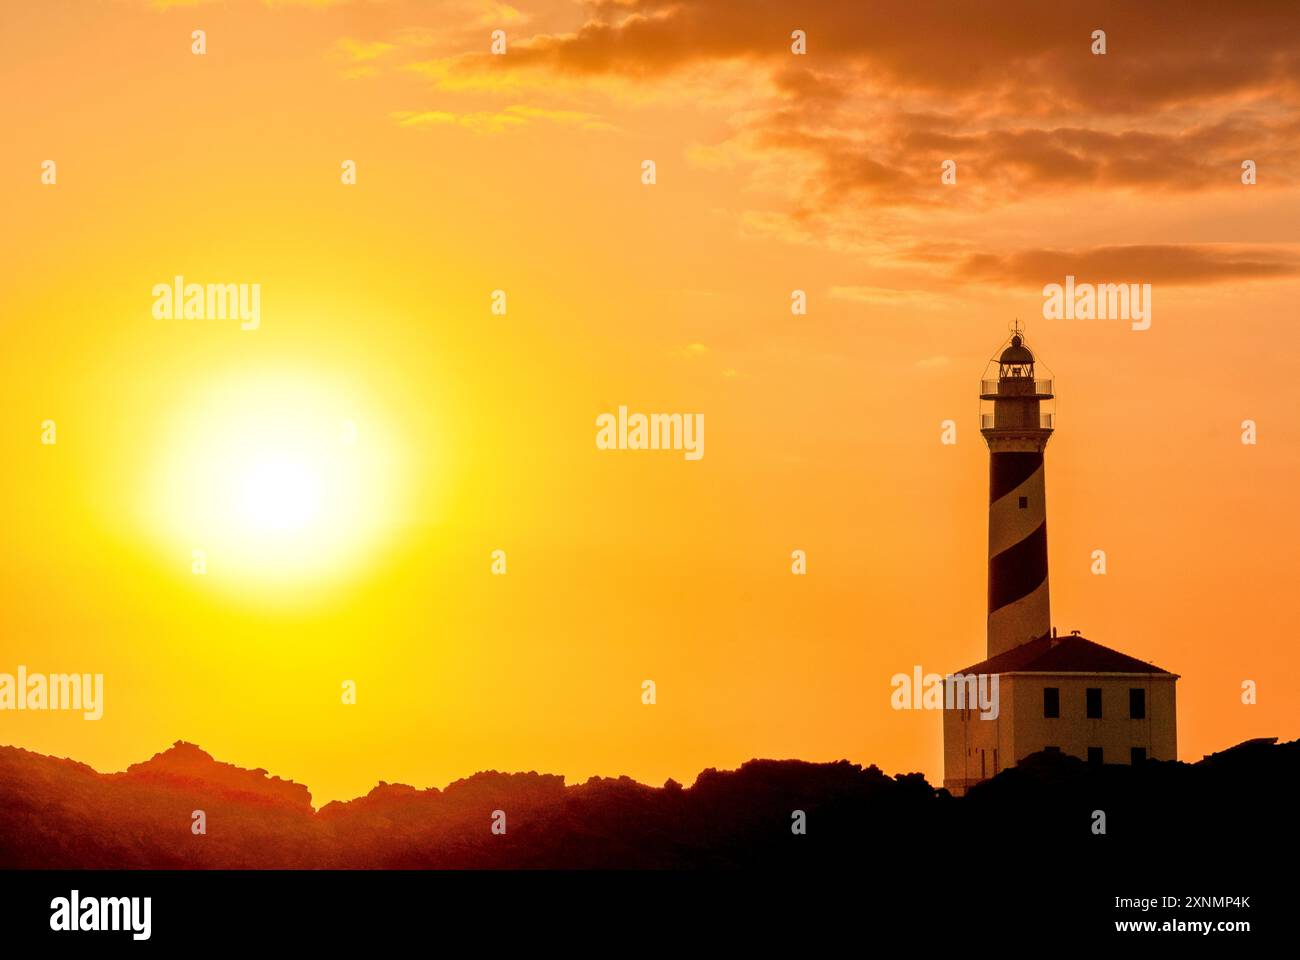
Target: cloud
[847, 142]
[168, 4]
[842, 148]
[1172, 264]
[361, 51]
[892, 297]
[1160, 53]
[499, 121]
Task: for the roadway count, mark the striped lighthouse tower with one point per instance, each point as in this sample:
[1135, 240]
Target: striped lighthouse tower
[1017, 428]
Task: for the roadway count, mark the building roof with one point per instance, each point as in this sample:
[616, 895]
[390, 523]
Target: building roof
[1070, 654]
[1017, 353]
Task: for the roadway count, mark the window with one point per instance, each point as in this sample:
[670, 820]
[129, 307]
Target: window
[1138, 755]
[1094, 755]
[1024, 503]
[1051, 702]
[1137, 704]
[1094, 703]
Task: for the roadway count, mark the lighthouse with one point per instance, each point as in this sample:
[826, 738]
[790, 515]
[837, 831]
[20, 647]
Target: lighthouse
[1016, 422]
[1063, 694]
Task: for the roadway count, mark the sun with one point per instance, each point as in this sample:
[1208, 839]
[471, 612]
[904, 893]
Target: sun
[279, 495]
[275, 480]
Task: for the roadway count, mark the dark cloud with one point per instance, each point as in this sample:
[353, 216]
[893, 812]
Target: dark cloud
[1027, 53]
[1173, 264]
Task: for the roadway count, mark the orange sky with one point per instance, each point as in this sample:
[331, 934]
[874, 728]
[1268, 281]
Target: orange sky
[522, 173]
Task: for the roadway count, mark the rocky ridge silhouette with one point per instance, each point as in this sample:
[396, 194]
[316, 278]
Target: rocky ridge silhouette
[58, 813]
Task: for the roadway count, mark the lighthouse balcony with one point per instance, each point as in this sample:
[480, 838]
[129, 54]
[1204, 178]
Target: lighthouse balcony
[990, 421]
[1019, 387]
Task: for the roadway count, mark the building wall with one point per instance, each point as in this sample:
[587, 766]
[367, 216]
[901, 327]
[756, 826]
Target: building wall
[975, 749]
[1074, 733]
[1021, 729]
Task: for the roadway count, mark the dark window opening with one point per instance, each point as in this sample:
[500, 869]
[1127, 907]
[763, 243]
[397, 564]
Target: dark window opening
[1138, 755]
[1094, 703]
[1137, 704]
[1051, 702]
[1094, 755]
[1024, 503]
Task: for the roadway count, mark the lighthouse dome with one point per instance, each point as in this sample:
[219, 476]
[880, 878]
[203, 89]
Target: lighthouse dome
[1017, 353]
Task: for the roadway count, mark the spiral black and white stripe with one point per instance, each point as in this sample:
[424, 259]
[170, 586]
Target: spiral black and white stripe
[1018, 602]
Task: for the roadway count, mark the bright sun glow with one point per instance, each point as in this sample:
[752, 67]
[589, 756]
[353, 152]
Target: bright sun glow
[279, 495]
[275, 480]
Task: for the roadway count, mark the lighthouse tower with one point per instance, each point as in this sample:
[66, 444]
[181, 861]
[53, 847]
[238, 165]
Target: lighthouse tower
[1062, 694]
[1016, 421]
